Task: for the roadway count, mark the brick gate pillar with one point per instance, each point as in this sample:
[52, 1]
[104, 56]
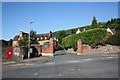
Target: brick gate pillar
[49, 50]
[79, 45]
[51, 46]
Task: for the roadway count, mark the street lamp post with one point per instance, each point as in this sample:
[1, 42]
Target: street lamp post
[29, 41]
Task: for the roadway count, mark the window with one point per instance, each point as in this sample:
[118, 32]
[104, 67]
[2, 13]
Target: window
[41, 38]
[45, 38]
[38, 38]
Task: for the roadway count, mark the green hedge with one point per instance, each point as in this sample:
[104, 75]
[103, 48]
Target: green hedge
[69, 41]
[114, 39]
[92, 36]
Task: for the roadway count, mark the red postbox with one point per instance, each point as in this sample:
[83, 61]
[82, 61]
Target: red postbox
[9, 53]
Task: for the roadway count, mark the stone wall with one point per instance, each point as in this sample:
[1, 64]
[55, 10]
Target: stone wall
[108, 49]
[86, 49]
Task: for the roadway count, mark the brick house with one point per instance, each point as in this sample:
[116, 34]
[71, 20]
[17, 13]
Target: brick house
[41, 38]
[19, 37]
[44, 42]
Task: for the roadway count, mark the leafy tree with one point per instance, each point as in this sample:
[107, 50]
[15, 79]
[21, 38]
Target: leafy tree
[61, 35]
[94, 22]
[23, 42]
[10, 43]
[72, 31]
[33, 39]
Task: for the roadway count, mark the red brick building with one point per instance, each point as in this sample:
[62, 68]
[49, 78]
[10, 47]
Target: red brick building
[46, 43]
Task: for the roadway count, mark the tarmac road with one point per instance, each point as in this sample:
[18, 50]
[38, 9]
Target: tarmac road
[66, 66]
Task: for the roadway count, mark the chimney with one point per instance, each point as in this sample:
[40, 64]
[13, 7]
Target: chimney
[20, 33]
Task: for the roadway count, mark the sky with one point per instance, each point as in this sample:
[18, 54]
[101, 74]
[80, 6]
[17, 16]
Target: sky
[52, 16]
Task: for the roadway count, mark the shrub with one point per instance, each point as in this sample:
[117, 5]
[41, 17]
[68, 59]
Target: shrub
[69, 41]
[114, 39]
[92, 36]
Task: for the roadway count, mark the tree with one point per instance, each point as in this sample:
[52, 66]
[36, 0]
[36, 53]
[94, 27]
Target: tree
[51, 34]
[23, 42]
[61, 35]
[94, 22]
[72, 31]
[10, 43]
[33, 39]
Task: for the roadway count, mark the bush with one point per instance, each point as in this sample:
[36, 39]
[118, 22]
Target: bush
[92, 36]
[69, 41]
[114, 39]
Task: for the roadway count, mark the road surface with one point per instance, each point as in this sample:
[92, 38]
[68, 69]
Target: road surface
[66, 66]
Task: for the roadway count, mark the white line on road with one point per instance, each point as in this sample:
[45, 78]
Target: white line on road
[74, 61]
[87, 59]
[73, 69]
[35, 74]
[109, 57]
[50, 63]
[29, 64]
[78, 69]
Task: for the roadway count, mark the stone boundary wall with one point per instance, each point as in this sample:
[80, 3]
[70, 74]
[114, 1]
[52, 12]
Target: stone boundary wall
[107, 49]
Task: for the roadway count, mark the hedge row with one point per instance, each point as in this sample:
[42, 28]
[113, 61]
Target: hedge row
[114, 39]
[69, 41]
[90, 37]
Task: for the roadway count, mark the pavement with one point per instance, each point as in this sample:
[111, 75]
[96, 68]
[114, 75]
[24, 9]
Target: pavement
[37, 60]
[66, 66]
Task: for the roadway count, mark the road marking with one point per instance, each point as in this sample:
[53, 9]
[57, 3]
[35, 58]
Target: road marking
[73, 69]
[29, 64]
[35, 74]
[109, 57]
[78, 69]
[50, 63]
[87, 59]
[74, 61]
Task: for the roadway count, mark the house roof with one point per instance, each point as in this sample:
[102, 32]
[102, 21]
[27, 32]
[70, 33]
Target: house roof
[16, 38]
[43, 36]
[47, 35]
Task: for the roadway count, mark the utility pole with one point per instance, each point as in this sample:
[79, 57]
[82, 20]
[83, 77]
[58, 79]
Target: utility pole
[29, 40]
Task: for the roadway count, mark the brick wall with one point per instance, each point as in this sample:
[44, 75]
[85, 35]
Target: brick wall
[42, 42]
[79, 45]
[48, 50]
[83, 49]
